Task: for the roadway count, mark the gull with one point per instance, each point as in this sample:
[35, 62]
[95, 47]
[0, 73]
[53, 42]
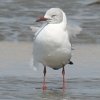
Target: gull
[52, 42]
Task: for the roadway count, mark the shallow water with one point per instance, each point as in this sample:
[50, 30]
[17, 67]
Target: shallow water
[26, 88]
[16, 16]
[18, 80]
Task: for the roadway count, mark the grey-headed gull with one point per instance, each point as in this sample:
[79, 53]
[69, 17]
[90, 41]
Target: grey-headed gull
[52, 45]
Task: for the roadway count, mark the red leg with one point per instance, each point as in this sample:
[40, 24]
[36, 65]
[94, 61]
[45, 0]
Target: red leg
[63, 74]
[44, 83]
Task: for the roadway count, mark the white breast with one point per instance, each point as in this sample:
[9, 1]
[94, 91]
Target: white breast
[52, 47]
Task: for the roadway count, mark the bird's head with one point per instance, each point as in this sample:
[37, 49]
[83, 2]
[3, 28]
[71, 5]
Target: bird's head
[53, 16]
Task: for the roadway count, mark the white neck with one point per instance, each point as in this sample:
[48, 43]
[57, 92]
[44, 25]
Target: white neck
[64, 21]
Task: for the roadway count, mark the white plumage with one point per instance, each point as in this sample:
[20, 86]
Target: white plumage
[51, 46]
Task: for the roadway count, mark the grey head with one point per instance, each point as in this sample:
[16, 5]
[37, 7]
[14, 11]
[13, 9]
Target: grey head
[53, 16]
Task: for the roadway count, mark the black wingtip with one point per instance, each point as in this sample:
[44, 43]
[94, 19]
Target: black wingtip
[71, 63]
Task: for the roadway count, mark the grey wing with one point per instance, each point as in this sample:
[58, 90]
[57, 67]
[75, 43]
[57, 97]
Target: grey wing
[34, 29]
[73, 29]
[33, 64]
[37, 30]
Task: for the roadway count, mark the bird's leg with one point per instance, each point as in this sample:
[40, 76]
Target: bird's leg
[63, 74]
[44, 83]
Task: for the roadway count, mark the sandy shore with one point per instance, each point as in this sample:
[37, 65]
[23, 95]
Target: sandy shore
[15, 61]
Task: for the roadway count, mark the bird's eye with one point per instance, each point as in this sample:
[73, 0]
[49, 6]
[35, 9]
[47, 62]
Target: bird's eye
[53, 15]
